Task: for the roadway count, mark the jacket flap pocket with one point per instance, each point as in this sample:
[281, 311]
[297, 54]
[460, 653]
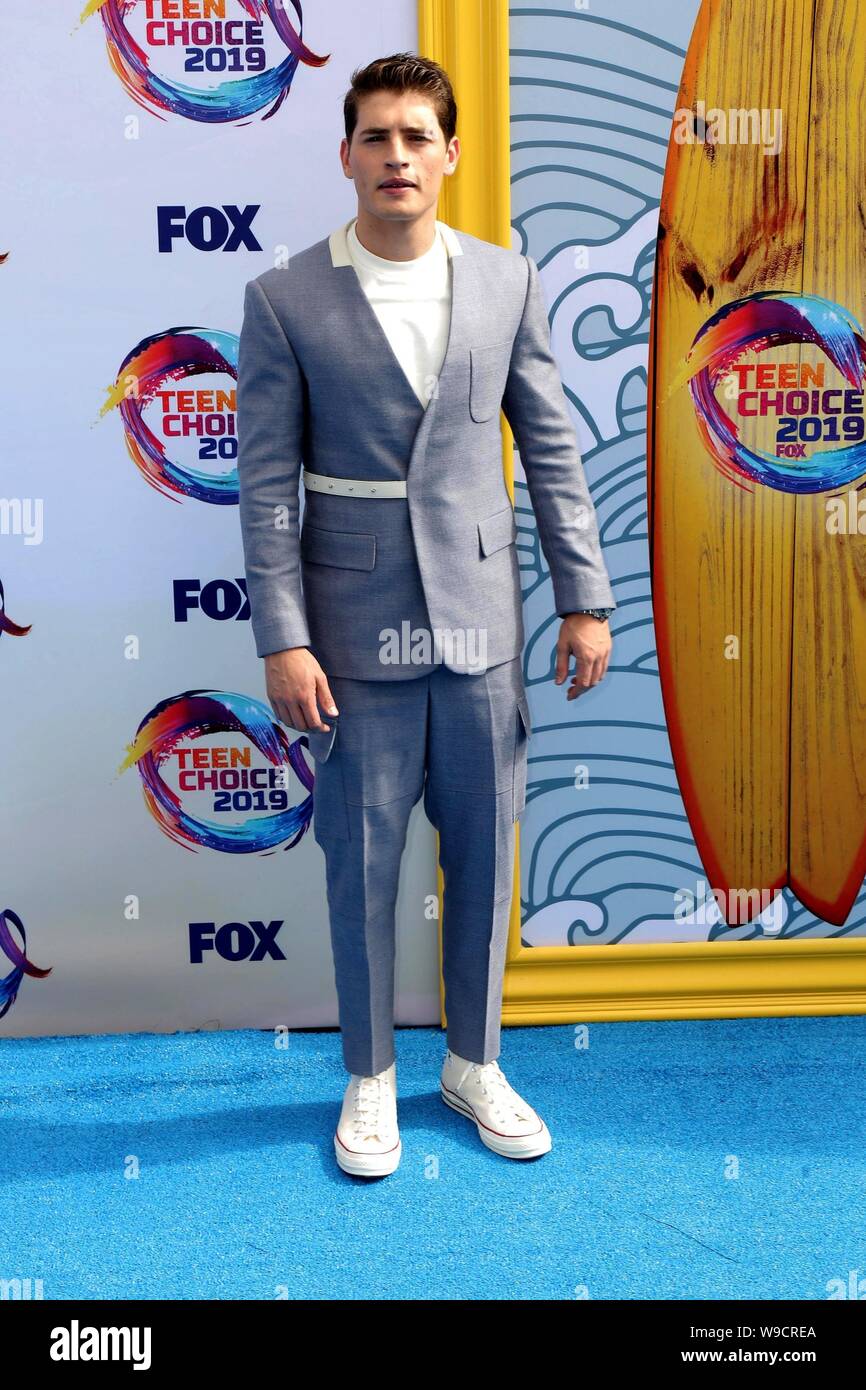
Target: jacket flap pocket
[351, 550]
[497, 530]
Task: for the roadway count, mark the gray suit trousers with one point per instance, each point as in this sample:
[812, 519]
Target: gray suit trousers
[460, 740]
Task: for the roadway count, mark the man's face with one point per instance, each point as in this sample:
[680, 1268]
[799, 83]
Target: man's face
[398, 137]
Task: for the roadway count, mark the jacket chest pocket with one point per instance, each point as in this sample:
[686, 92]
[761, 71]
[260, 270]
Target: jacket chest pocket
[488, 373]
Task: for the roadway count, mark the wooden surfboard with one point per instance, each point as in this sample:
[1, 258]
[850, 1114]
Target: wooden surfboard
[760, 614]
[827, 855]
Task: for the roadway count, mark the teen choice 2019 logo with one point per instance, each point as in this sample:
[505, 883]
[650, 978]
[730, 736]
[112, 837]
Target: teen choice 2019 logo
[204, 786]
[808, 410]
[170, 429]
[208, 60]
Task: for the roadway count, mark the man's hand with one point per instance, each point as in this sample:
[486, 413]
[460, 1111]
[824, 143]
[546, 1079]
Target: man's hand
[590, 642]
[294, 679]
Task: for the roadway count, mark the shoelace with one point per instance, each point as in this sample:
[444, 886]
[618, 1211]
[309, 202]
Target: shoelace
[367, 1104]
[494, 1086]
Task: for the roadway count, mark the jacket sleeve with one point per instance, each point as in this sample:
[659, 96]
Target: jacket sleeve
[535, 407]
[270, 428]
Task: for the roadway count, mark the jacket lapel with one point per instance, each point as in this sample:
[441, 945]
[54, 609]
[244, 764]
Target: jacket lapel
[373, 344]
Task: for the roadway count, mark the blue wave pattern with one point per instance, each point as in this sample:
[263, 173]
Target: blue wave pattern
[606, 851]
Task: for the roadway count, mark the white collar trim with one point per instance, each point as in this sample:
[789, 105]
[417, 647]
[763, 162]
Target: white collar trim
[338, 243]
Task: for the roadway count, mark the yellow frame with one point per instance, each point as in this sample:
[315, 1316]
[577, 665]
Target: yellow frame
[571, 984]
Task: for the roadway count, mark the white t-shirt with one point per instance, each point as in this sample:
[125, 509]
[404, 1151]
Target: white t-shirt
[412, 301]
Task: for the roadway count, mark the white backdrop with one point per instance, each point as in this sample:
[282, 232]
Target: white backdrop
[92, 556]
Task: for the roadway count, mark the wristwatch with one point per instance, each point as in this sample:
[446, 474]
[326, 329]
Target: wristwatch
[601, 613]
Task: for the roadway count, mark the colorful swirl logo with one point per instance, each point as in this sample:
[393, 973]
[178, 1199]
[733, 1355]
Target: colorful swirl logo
[207, 43]
[21, 966]
[768, 319]
[225, 772]
[6, 623]
[145, 376]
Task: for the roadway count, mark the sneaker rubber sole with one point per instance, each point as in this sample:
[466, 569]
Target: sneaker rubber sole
[515, 1147]
[367, 1165]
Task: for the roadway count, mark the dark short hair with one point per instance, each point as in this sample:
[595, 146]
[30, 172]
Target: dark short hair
[403, 72]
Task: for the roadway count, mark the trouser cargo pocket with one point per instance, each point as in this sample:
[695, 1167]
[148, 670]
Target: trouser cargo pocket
[523, 728]
[330, 814]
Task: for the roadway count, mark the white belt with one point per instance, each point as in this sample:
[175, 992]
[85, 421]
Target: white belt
[352, 487]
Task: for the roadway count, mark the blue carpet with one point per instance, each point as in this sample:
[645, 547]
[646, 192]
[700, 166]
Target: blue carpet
[710, 1159]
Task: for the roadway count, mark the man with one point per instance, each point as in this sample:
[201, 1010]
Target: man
[391, 626]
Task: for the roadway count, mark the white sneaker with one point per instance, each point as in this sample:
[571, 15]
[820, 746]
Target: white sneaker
[505, 1122]
[367, 1141]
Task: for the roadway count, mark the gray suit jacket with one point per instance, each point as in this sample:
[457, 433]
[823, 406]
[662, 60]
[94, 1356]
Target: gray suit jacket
[319, 386]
